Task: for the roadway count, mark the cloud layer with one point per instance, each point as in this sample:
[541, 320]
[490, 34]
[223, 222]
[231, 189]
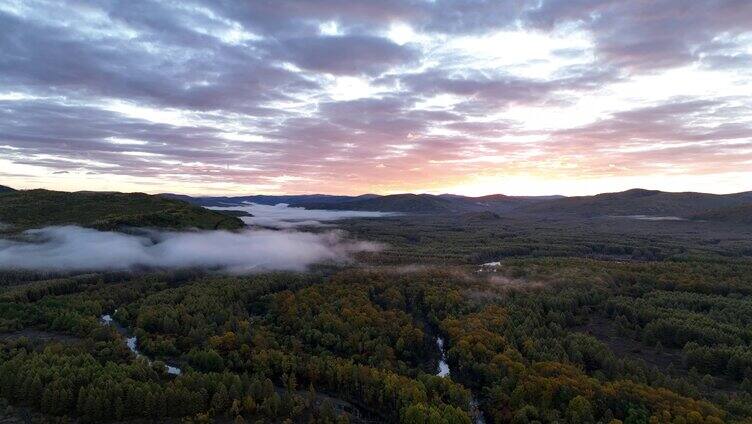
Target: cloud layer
[76, 248]
[361, 96]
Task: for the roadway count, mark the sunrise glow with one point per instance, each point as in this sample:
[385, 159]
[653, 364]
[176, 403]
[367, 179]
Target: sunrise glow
[530, 98]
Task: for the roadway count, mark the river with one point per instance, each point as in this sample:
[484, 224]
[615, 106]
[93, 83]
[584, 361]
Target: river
[132, 342]
[443, 365]
[443, 371]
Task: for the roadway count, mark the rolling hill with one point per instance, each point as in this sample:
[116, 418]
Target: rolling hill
[5, 189]
[26, 209]
[639, 202]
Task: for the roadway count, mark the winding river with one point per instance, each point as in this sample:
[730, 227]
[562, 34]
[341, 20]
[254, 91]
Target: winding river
[443, 371]
[132, 342]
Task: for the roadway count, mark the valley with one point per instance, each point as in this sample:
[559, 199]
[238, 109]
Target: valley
[454, 317]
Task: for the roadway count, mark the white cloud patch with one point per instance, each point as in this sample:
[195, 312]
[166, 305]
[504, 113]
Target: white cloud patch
[284, 216]
[76, 248]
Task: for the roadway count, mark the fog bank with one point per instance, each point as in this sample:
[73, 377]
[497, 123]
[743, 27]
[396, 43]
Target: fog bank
[284, 216]
[76, 248]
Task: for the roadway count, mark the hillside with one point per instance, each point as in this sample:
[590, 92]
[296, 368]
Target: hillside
[106, 210]
[480, 216]
[500, 202]
[5, 189]
[735, 215]
[639, 202]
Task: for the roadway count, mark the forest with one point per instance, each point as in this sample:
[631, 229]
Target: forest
[580, 321]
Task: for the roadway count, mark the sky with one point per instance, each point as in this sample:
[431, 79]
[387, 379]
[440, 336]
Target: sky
[524, 97]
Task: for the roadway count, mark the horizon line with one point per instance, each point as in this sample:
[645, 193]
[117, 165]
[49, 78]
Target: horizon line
[280, 194]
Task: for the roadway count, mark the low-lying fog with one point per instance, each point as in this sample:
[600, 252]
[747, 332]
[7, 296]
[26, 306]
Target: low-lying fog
[76, 248]
[284, 216]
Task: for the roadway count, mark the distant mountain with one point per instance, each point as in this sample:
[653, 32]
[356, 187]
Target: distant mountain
[426, 203]
[5, 189]
[265, 199]
[735, 215]
[630, 202]
[26, 209]
[407, 203]
[639, 202]
[501, 202]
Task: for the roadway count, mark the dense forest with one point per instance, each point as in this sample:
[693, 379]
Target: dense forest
[573, 322]
[25, 209]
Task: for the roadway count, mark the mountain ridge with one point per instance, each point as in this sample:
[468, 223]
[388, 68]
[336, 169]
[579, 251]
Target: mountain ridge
[25, 209]
[636, 201]
[640, 202]
[263, 199]
[402, 202]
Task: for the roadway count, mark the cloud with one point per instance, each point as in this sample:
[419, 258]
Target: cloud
[482, 92]
[284, 216]
[680, 132]
[347, 55]
[76, 248]
[197, 73]
[650, 35]
[352, 95]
